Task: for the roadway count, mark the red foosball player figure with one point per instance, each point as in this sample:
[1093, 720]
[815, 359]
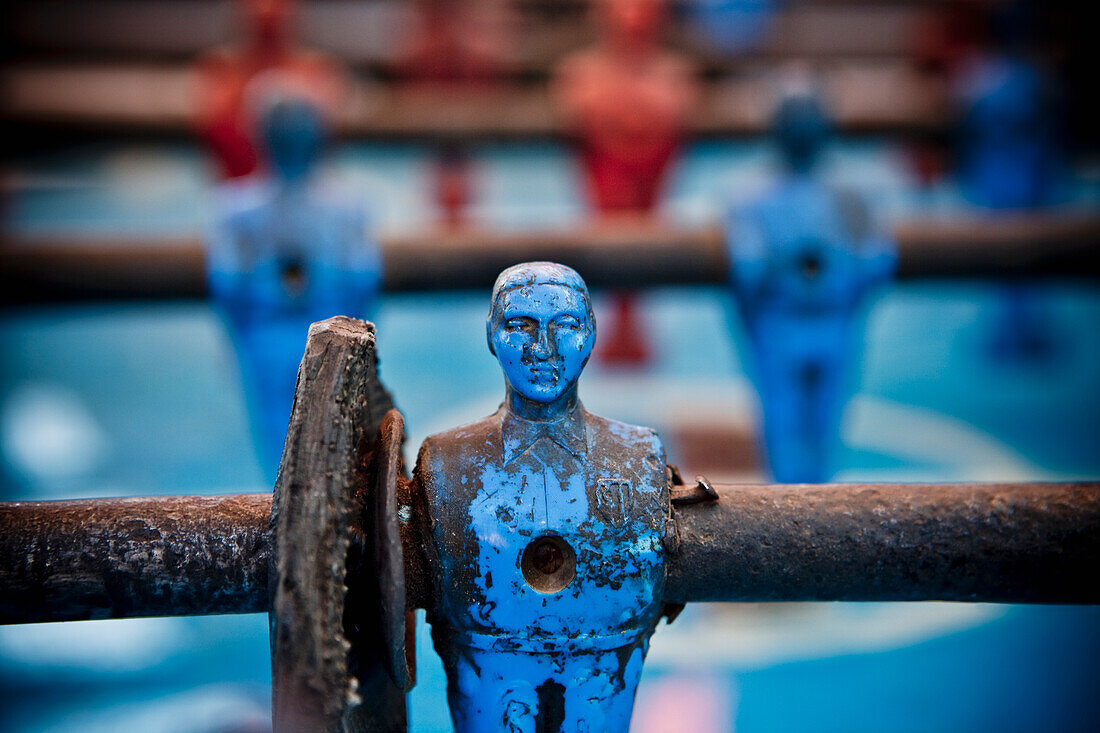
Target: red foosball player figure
[627, 101]
[224, 75]
[455, 46]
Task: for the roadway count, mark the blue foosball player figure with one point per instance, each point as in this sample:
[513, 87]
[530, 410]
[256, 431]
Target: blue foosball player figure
[731, 27]
[804, 257]
[1009, 160]
[1008, 156]
[285, 252]
[546, 526]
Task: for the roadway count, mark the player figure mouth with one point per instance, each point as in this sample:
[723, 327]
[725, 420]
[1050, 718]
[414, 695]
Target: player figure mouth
[545, 372]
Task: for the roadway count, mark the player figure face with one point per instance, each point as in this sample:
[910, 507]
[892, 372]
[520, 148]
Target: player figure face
[542, 338]
[267, 17]
[293, 134]
[637, 21]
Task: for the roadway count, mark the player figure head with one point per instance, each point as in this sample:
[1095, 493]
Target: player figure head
[541, 329]
[294, 135]
[801, 128]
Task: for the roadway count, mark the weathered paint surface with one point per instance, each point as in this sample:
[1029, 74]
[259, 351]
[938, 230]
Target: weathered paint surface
[804, 257]
[544, 529]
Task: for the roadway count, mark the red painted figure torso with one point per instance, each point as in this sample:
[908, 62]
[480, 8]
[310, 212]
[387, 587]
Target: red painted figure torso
[627, 100]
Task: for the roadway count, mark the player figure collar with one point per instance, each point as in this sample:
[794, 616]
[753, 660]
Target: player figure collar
[518, 435]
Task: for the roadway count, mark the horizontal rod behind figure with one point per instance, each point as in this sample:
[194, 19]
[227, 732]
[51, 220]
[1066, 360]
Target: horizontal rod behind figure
[625, 254]
[1025, 543]
[121, 558]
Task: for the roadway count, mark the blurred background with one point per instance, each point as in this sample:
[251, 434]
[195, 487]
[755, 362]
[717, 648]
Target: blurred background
[186, 184]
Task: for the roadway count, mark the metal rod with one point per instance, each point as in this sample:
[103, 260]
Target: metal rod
[67, 97]
[1018, 543]
[626, 254]
[872, 33]
[619, 255]
[120, 558]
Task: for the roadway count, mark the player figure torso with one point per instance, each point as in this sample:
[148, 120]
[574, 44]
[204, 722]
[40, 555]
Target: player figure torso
[606, 499]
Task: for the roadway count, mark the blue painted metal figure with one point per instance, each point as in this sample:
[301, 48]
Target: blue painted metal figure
[287, 252]
[1008, 156]
[1009, 159]
[546, 527]
[803, 259]
[731, 27]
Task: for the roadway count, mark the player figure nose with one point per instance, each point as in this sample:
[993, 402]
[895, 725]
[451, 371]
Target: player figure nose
[543, 346]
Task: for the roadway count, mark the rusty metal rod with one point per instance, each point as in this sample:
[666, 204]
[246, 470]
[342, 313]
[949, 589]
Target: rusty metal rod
[1018, 543]
[120, 558]
[627, 254]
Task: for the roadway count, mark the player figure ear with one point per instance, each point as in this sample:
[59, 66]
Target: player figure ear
[489, 335]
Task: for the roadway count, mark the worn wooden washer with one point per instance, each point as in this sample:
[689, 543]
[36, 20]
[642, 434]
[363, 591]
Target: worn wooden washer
[337, 608]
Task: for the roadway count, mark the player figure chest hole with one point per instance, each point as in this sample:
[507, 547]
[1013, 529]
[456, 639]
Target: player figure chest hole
[810, 265]
[549, 564]
[292, 275]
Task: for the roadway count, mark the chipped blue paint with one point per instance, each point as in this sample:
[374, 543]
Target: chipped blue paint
[546, 527]
[286, 251]
[804, 258]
